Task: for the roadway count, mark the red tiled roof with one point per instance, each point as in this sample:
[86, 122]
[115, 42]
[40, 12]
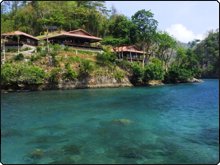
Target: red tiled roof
[80, 31]
[129, 48]
[75, 33]
[19, 33]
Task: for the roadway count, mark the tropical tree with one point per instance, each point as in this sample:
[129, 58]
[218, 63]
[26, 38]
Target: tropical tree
[165, 47]
[146, 30]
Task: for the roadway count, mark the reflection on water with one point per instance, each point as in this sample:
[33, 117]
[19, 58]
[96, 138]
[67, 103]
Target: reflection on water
[170, 124]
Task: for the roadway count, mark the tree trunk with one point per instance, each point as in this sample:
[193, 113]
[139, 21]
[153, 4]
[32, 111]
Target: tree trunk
[18, 43]
[47, 43]
[144, 56]
[130, 57]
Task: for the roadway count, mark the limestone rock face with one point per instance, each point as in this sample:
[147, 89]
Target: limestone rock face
[95, 82]
[194, 80]
[155, 82]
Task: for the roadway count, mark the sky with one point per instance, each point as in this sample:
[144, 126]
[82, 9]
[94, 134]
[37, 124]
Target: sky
[184, 20]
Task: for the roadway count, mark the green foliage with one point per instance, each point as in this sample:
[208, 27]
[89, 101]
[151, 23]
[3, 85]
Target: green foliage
[178, 74]
[53, 54]
[185, 67]
[33, 17]
[12, 50]
[26, 48]
[116, 30]
[106, 58]
[66, 48]
[69, 74]
[54, 75]
[38, 48]
[118, 74]
[19, 57]
[122, 29]
[146, 25]
[43, 53]
[74, 59]
[56, 47]
[137, 73]
[86, 67]
[125, 65]
[114, 41]
[207, 52]
[165, 46]
[154, 70]
[35, 57]
[85, 52]
[21, 74]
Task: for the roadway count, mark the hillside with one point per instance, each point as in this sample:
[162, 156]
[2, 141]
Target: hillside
[162, 57]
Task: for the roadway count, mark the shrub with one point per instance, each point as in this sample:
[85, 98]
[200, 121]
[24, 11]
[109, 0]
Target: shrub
[66, 48]
[177, 73]
[118, 75]
[85, 52]
[26, 48]
[43, 53]
[74, 59]
[19, 57]
[35, 57]
[53, 58]
[39, 48]
[86, 67]
[12, 50]
[106, 58]
[54, 75]
[21, 74]
[70, 74]
[154, 71]
[114, 41]
[137, 73]
[125, 65]
[56, 47]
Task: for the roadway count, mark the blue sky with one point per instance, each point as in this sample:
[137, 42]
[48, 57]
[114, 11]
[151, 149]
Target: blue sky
[183, 20]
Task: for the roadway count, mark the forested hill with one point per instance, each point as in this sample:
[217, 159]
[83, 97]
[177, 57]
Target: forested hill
[208, 55]
[33, 16]
[164, 58]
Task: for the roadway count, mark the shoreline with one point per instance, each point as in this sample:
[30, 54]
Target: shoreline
[79, 85]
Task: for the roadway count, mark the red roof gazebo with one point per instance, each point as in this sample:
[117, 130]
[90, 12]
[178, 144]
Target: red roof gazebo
[24, 38]
[129, 52]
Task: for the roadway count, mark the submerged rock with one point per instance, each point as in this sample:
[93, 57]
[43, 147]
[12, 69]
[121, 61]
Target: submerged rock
[45, 139]
[129, 152]
[10, 133]
[122, 121]
[64, 160]
[71, 149]
[36, 154]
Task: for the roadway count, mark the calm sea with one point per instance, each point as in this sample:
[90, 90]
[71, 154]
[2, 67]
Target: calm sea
[167, 124]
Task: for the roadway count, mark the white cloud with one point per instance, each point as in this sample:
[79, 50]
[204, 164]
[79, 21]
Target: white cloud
[181, 33]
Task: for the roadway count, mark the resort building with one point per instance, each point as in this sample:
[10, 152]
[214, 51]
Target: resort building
[129, 52]
[76, 38]
[18, 38]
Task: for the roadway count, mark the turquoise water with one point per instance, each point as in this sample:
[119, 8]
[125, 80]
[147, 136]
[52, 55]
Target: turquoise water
[168, 124]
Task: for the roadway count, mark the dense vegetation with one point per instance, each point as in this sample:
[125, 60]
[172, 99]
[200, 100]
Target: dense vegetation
[164, 58]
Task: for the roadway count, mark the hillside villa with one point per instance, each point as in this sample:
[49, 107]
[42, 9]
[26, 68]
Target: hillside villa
[128, 52]
[79, 39]
[18, 38]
